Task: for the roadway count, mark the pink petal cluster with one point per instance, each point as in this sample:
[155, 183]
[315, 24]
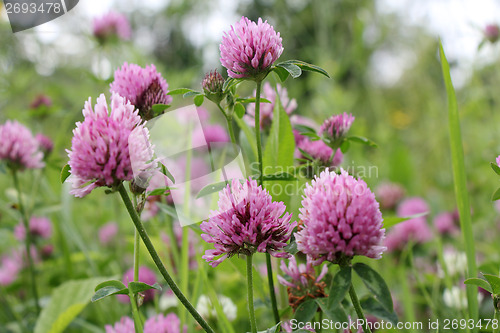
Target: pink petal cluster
[157, 324]
[319, 151]
[341, 219]
[302, 282]
[446, 224]
[163, 324]
[107, 232]
[125, 325]
[209, 133]
[10, 266]
[248, 221]
[415, 230]
[111, 25]
[337, 126]
[41, 100]
[146, 276]
[491, 32]
[19, 148]
[266, 109]
[39, 227]
[100, 152]
[498, 160]
[389, 194]
[45, 143]
[143, 87]
[249, 49]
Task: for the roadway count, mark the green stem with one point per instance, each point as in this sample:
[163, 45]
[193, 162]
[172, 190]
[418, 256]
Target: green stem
[251, 310]
[270, 280]
[497, 318]
[257, 132]
[357, 307]
[136, 256]
[135, 313]
[229, 120]
[154, 255]
[27, 241]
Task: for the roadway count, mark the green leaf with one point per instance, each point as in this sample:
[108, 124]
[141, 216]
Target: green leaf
[278, 155]
[312, 135]
[198, 100]
[307, 67]
[344, 146]
[495, 168]
[393, 220]
[283, 176]
[3, 168]
[252, 100]
[292, 248]
[229, 83]
[179, 91]
[192, 93]
[239, 109]
[306, 311]
[480, 283]
[335, 313]
[496, 195]
[304, 129]
[460, 183]
[292, 69]
[138, 287]
[281, 72]
[167, 173]
[494, 282]
[158, 191]
[372, 306]
[362, 140]
[110, 283]
[340, 285]
[159, 108]
[65, 173]
[66, 302]
[249, 134]
[108, 291]
[212, 188]
[376, 284]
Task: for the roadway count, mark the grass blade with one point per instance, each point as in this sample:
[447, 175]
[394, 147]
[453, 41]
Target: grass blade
[459, 180]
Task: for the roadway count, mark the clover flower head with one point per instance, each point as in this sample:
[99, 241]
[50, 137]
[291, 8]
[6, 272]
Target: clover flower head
[336, 127]
[415, 229]
[247, 221]
[101, 152]
[340, 219]
[249, 49]
[143, 87]
[302, 283]
[19, 148]
[111, 25]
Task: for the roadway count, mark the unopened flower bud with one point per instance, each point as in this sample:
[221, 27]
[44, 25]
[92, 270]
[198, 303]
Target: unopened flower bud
[212, 85]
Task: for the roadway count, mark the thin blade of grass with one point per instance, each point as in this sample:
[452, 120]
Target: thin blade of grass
[459, 180]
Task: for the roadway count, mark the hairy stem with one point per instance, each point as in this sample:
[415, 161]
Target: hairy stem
[154, 255]
[251, 310]
[357, 307]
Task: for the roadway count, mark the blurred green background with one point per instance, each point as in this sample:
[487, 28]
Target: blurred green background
[385, 71]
